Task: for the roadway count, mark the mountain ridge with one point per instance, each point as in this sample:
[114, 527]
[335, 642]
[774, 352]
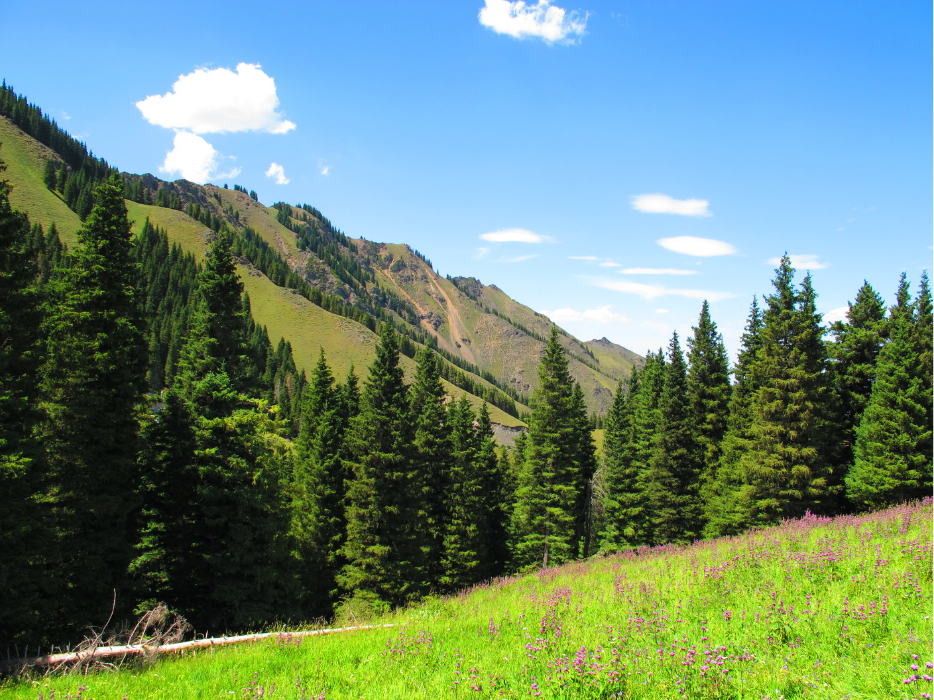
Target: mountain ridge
[491, 343]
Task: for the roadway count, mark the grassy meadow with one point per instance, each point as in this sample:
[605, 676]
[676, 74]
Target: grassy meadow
[814, 608]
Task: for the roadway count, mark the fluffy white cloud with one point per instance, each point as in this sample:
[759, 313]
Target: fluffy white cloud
[802, 262]
[541, 20]
[651, 291]
[277, 172]
[663, 204]
[656, 271]
[515, 235]
[217, 101]
[601, 314]
[698, 247]
[838, 314]
[194, 159]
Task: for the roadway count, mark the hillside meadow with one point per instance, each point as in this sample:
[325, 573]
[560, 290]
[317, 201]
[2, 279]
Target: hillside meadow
[813, 608]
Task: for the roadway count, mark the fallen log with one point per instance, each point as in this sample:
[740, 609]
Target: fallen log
[144, 649]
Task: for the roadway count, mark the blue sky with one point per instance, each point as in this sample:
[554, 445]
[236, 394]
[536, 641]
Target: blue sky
[571, 152]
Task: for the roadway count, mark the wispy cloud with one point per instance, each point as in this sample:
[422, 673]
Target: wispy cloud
[541, 20]
[838, 314]
[515, 235]
[802, 262]
[663, 204]
[698, 247]
[277, 173]
[324, 168]
[217, 101]
[65, 115]
[194, 159]
[482, 253]
[652, 291]
[656, 271]
[610, 263]
[518, 258]
[602, 314]
[591, 258]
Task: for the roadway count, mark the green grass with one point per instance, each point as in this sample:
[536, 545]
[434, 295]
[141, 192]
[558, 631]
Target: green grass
[598, 440]
[25, 160]
[814, 608]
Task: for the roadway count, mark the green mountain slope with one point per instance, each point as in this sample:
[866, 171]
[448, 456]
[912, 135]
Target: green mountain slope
[492, 340]
[25, 160]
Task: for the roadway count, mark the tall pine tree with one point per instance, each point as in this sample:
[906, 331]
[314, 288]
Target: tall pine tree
[93, 382]
[380, 549]
[785, 466]
[672, 480]
[547, 516]
[27, 554]
[894, 440]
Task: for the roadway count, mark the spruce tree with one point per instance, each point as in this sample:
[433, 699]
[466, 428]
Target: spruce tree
[319, 490]
[858, 341]
[724, 494]
[672, 479]
[221, 458]
[464, 549]
[785, 465]
[92, 384]
[496, 495]
[583, 458]
[708, 386]
[546, 517]
[48, 175]
[432, 462]
[378, 548]
[620, 496]
[27, 554]
[894, 439]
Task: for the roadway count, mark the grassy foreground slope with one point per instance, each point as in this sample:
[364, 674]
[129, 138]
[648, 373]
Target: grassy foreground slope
[814, 608]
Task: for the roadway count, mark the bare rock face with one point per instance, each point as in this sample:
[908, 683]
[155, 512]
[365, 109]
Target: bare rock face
[434, 319]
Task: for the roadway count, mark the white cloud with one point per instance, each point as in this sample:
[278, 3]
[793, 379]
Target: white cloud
[278, 172]
[802, 262]
[592, 258]
[835, 315]
[698, 247]
[661, 311]
[65, 115]
[515, 235]
[610, 263]
[324, 167]
[541, 20]
[194, 159]
[601, 314]
[219, 100]
[651, 291]
[663, 204]
[482, 253]
[656, 271]
[519, 258]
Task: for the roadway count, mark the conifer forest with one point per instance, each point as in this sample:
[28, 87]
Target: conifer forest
[157, 446]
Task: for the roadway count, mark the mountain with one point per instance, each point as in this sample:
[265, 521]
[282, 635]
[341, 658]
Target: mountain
[317, 287]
